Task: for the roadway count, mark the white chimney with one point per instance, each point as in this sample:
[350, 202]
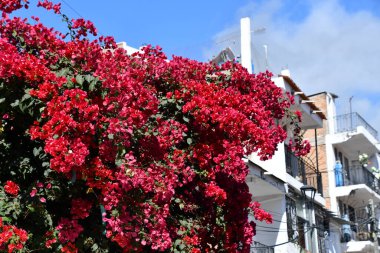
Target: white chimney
[285, 72]
[245, 33]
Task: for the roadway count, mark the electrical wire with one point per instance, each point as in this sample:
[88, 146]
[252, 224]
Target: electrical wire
[76, 12]
[276, 230]
[279, 244]
[68, 5]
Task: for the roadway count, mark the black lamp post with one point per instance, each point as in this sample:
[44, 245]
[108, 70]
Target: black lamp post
[308, 190]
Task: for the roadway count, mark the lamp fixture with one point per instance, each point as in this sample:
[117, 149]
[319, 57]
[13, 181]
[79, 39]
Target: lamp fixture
[308, 191]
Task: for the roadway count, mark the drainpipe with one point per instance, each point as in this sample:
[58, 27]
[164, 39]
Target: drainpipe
[374, 226]
[316, 162]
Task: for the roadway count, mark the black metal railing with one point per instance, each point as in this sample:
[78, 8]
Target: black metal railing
[315, 179]
[360, 175]
[303, 171]
[295, 166]
[350, 121]
[361, 231]
[257, 247]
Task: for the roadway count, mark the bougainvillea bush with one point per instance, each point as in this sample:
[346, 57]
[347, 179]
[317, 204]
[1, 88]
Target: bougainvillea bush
[101, 151]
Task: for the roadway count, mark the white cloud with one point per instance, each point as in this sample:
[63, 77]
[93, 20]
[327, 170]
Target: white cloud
[328, 49]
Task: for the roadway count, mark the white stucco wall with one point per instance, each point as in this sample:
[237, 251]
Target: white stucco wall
[275, 233]
[275, 166]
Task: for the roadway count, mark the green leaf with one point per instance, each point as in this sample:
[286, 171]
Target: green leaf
[26, 96]
[189, 141]
[79, 79]
[181, 232]
[185, 119]
[91, 87]
[89, 78]
[110, 136]
[2, 100]
[94, 247]
[15, 103]
[118, 162]
[184, 223]
[6, 219]
[63, 72]
[36, 151]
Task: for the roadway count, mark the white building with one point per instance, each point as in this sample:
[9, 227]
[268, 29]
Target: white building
[350, 186]
[277, 184]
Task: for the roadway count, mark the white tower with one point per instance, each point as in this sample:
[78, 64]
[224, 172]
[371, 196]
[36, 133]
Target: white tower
[246, 52]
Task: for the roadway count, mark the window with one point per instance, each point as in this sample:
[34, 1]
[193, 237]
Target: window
[341, 211]
[346, 168]
[291, 217]
[297, 226]
[352, 217]
[323, 227]
[302, 226]
[340, 157]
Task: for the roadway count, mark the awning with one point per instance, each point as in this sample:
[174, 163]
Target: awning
[341, 221]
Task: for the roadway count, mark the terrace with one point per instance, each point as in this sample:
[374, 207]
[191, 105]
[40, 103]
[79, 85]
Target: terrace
[350, 122]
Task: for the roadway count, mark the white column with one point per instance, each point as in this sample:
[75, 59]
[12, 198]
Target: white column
[246, 53]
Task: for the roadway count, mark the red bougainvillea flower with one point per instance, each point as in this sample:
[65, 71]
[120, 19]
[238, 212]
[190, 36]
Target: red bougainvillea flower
[12, 237]
[132, 153]
[69, 248]
[11, 188]
[69, 230]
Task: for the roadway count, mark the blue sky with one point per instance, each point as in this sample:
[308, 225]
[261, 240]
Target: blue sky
[181, 27]
[328, 45]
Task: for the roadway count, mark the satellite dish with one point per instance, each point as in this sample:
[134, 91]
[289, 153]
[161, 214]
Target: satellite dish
[224, 56]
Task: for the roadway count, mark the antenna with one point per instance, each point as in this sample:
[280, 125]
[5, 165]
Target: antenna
[350, 101]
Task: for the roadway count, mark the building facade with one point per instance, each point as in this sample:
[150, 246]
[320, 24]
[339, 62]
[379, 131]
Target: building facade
[348, 155]
[282, 185]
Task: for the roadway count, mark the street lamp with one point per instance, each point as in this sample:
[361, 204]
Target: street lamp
[308, 191]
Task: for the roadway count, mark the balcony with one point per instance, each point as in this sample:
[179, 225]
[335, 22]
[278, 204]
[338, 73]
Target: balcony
[355, 175]
[257, 247]
[303, 171]
[350, 121]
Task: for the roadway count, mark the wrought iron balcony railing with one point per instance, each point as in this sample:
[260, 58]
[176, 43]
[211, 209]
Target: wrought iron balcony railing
[360, 231]
[357, 175]
[303, 171]
[350, 121]
[257, 247]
